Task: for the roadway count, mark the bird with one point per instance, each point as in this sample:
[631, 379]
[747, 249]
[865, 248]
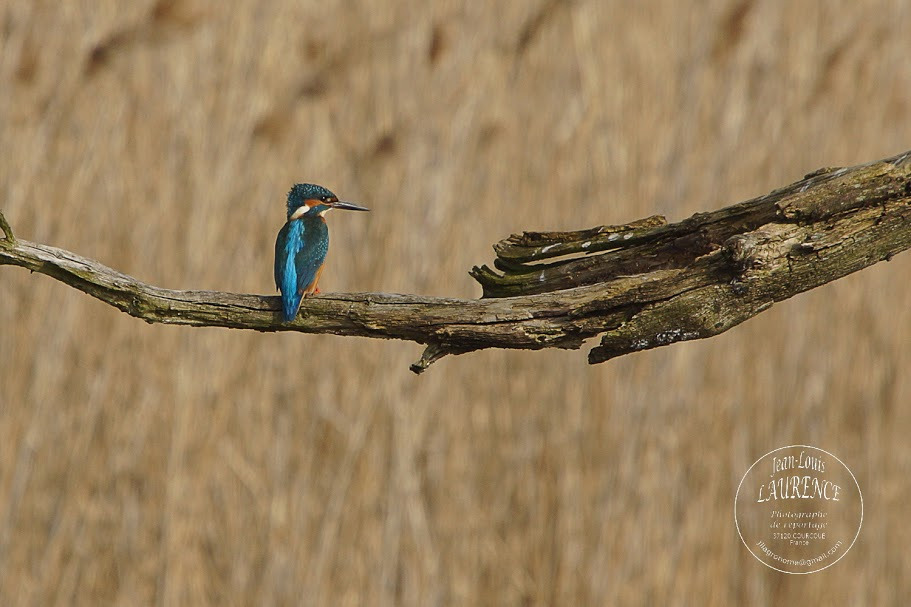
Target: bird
[302, 243]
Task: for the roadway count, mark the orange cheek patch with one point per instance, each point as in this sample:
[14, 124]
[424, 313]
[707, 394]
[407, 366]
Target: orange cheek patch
[303, 209]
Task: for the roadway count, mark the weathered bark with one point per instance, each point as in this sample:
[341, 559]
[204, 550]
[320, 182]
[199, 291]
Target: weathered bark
[639, 285]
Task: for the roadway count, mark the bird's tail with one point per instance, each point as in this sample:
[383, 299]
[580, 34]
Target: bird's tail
[291, 303]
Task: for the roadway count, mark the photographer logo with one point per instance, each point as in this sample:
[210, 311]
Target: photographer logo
[798, 509]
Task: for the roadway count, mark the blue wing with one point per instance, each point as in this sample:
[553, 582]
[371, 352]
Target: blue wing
[299, 252]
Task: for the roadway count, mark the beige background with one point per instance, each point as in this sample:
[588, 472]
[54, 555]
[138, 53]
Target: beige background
[158, 465]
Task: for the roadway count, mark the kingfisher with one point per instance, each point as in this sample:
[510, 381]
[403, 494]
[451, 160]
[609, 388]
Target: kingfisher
[302, 243]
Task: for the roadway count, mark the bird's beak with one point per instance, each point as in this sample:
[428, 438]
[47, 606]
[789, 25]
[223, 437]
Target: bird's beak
[348, 205]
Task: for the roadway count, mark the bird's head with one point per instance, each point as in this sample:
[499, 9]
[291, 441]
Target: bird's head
[314, 200]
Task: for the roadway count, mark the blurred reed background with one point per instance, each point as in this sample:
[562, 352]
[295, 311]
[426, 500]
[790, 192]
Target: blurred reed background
[146, 465]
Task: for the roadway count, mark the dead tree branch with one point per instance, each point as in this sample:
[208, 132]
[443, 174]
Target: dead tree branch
[640, 285]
